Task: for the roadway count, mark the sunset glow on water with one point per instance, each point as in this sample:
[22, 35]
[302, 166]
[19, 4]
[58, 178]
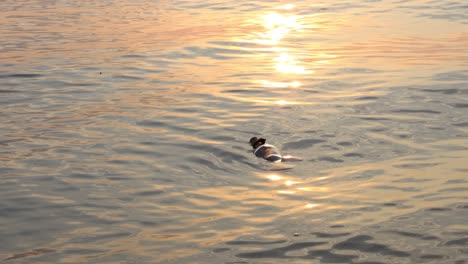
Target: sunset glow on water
[125, 130]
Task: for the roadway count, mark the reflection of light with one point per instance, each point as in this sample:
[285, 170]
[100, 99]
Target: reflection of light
[276, 20]
[274, 177]
[284, 102]
[279, 102]
[289, 183]
[293, 84]
[287, 7]
[311, 205]
[325, 58]
[286, 192]
[278, 26]
[313, 189]
[286, 63]
[323, 62]
[321, 178]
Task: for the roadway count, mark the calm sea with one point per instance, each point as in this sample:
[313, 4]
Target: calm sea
[124, 129]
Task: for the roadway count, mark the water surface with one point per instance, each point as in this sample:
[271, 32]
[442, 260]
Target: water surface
[124, 130]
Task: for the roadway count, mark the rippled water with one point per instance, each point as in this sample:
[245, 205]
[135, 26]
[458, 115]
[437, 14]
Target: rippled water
[124, 129]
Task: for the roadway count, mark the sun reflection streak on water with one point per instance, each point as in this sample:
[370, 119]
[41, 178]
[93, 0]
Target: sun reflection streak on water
[294, 187]
[293, 84]
[278, 26]
[286, 63]
[279, 102]
[287, 7]
[311, 205]
[284, 102]
[156, 169]
[274, 177]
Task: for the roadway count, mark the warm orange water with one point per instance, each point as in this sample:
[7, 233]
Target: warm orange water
[124, 130]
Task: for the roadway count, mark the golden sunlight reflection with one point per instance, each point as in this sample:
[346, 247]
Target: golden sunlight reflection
[287, 192]
[278, 102]
[271, 101]
[290, 183]
[277, 26]
[274, 177]
[322, 178]
[287, 185]
[284, 102]
[313, 189]
[287, 6]
[311, 205]
[286, 63]
[293, 84]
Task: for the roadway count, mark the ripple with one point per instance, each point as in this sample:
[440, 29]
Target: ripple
[365, 98]
[303, 144]
[9, 91]
[150, 160]
[253, 242]
[157, 124]
[360, 243]
[451, 76]
[219, 250]
[280, 252]
[208, 163]
[414, 235]
[149, 193]
[458, 242]
[331, 159]
[20, 75]
[82, 176]
[34, 252]
[327, 235]
[460, 105]
[416, 165]
[352, 154]
[463, 124]
[435, 209]
[444, 91]
[99, 237]
[417, 111]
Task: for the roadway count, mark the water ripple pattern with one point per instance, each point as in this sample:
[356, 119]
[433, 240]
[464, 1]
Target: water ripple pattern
[125, 127]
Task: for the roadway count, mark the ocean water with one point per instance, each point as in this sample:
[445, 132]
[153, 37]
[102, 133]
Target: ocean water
[124, 129]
